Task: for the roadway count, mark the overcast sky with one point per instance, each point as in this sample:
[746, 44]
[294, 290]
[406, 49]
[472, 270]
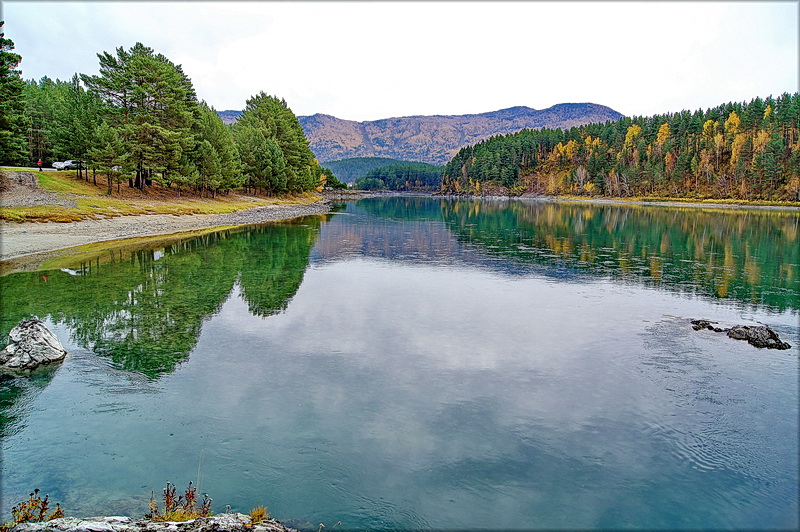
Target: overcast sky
[371, 60]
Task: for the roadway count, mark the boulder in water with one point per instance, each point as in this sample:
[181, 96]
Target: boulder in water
[756, 335]
[32, 344]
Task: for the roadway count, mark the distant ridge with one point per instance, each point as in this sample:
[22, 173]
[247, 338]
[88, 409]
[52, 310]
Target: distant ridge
[433, 139]
[229, 117]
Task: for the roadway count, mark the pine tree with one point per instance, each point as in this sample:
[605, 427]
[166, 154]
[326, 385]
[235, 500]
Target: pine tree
[273, 118]
[153, 104]
[108, 155]
[13, 125]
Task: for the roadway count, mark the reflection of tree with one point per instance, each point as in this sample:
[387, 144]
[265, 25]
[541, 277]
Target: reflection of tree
[274, 273]
[747, 255]
[144, 310]
[750, 256]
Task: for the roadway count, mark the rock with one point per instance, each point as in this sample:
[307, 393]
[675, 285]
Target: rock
[758, 335]
[705, 324]
[216, 523]
[32, 344]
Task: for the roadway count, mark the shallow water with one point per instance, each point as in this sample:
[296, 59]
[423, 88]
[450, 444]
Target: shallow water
[411, 363]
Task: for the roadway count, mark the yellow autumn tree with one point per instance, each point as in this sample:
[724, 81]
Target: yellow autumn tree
[732, 125]
[736, 148]
[663, 134]
[760, 141]
[709, 131]
[630, 136]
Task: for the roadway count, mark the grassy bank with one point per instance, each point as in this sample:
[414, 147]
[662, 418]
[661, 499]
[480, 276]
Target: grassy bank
[93, 202]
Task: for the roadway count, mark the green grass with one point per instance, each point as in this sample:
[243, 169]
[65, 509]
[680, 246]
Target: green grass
[93, 201]
[65, 181]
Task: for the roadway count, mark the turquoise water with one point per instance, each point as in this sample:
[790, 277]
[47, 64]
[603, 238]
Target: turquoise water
[411, 363]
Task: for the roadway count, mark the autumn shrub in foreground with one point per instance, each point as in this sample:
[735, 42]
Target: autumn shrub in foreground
[180, 508]
[258, 515]
[33, 510]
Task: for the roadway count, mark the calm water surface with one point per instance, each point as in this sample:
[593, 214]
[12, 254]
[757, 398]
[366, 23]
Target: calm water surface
[415, 363]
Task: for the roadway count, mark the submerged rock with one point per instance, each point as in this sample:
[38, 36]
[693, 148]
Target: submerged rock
[756, 335]
[705, 324]
[32, 344]
[216, 523]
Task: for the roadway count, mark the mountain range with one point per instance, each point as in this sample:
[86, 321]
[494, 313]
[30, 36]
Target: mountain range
[433, 139]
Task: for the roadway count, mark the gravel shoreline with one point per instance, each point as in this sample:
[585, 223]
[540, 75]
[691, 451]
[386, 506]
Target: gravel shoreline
[23, 239]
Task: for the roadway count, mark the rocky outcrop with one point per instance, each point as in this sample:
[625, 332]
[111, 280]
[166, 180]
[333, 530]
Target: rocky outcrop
[32, 344]
[218, 523]
[756, 335]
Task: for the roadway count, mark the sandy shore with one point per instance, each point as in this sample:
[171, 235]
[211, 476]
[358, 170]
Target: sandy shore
[21, 239]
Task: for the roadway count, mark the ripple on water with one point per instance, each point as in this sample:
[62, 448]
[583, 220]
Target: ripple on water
[716, 422]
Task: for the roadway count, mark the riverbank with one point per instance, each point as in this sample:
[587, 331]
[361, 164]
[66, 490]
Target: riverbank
[602, 200]
[671, 203]
[28, 238]
[216, 523]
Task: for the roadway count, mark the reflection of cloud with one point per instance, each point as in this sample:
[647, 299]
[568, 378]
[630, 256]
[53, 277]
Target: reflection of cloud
[456, 383]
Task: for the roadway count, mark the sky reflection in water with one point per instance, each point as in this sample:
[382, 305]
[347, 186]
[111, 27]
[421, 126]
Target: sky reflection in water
[437, 365]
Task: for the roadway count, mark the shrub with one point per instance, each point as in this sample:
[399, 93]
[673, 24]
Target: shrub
[180, 508]
[258, 515]
[34, 510]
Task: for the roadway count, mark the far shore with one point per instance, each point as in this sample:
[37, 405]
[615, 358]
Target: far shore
[624, 201]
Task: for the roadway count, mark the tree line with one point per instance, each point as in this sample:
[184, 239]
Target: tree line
[140, 121]
[736, 150]
[403, 177]
[349, 170]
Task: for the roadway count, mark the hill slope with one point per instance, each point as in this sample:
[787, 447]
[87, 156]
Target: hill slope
[433, 139]
[436, 139]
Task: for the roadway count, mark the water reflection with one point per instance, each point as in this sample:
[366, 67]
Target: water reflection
[750, 256]
[144, 308]
[415, 376]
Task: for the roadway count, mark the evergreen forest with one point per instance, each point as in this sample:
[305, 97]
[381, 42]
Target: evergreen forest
[354, 168]
[139, 121]
[403, 177]
[741, 151]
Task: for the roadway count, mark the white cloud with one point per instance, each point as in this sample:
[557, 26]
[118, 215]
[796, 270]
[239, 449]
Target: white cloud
[370, 60]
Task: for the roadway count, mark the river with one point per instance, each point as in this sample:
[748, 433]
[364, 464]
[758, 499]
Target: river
[423, 363]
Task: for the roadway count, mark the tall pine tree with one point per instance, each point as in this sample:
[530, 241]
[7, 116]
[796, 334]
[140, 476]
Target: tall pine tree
[13, 125]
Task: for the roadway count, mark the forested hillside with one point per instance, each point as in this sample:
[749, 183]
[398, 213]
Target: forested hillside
[736, 150]
[349, 170]
[403, 177]
[140, 121]
[436, 139]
